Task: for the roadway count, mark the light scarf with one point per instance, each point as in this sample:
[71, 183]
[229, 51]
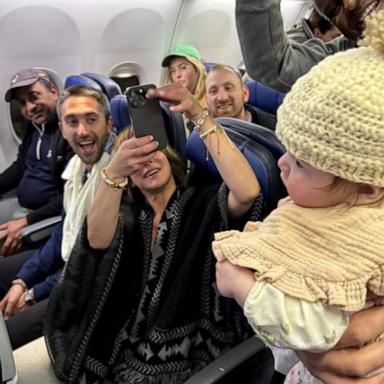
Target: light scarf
[77, 198]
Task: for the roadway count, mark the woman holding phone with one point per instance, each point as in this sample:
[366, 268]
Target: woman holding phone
[138, 302]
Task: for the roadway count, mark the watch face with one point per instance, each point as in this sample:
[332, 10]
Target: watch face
[29, 297]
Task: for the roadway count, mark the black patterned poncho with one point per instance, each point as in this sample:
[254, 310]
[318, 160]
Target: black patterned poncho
[129, 315]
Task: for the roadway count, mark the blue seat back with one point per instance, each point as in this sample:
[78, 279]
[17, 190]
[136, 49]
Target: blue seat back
[263, 97]
[108, 86]
[81, 80]
[120, 118]
[119, 113]
[260, 147]
[176, 131]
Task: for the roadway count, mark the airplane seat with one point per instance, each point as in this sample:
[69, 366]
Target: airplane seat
[176, 129]
[119, 113]
[264, 118]
[249, 362]
[120, 118]
[208, 66]
[7, 365]
[82, 80]
[260, 147]
[108, 86]
[263, 97]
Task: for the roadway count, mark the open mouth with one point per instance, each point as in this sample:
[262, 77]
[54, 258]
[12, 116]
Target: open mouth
[370, 8]
[150, 173]
[224, 107]
[87, 146]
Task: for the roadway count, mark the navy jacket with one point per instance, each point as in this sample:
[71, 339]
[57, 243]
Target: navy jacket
[61, 153]
[43, 268]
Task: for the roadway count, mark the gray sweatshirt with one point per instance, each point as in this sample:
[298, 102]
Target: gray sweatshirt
[269, 56]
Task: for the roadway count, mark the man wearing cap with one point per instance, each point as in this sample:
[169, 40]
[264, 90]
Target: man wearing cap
[42, 156]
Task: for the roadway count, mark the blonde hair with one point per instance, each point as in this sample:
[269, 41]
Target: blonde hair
[339, 184]
[176, 162]
[199, 91]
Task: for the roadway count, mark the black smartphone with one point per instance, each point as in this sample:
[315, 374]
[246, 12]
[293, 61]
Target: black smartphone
[145, 114]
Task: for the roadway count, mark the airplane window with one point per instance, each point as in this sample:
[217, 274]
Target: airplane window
[126, 82]
[126, 75]
[19, 122]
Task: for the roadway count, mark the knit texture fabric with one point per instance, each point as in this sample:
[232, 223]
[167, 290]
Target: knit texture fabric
[330, 255]
[333, 118]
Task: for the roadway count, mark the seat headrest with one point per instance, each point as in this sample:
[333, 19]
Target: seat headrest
[119, 113]
[81, 80]
[264, 97]
[174, 124]
[108, 86]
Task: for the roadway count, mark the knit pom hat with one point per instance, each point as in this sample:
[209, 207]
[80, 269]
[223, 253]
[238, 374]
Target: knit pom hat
[333, 118]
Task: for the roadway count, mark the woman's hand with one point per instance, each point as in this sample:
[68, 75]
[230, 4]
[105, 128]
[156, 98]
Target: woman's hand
[233, 281]
[346, 366]
[130, 157]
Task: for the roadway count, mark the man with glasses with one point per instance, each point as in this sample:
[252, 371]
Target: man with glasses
[40, 161]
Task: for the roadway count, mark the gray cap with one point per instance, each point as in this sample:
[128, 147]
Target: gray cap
[25, 77]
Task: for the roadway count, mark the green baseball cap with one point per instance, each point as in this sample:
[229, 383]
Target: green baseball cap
[182, 50]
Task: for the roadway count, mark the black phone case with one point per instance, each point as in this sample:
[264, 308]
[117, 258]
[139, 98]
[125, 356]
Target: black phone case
[146, 116]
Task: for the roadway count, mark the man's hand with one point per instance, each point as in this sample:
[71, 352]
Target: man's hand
[11, 237]
[181, 99]
[13, 302]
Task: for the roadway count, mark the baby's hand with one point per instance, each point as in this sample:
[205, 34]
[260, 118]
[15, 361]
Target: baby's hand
[233, 281]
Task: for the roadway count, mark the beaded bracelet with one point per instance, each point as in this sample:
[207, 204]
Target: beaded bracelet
[200, 120]
[111, 183]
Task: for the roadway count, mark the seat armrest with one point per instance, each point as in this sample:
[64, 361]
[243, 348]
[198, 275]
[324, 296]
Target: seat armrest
[7, 364]
[250, 354]
[38, 231]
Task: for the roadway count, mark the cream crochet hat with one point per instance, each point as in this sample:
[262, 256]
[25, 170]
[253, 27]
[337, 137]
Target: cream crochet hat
[333, 118]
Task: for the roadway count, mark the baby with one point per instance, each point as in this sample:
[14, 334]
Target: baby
[314, 258]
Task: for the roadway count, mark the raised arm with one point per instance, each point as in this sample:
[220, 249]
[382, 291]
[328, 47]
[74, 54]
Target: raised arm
[233, 167]
[104, 211]
[269, 56]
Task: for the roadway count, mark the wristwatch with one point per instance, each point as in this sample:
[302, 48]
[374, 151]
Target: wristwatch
[29, 296]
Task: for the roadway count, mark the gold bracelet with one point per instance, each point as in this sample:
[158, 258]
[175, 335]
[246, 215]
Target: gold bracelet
[111, 183]
[213, 129]
[216, 128]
